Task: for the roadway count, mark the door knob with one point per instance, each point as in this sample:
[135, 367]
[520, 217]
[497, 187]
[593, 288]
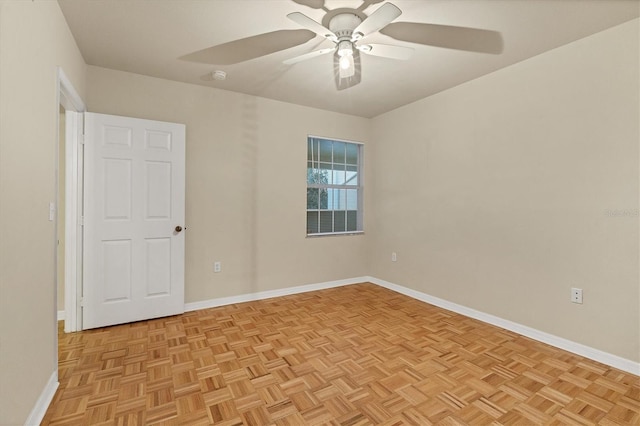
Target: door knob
[178, 228]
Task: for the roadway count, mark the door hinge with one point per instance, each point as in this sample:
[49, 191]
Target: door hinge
[82, 302]
[81, 221]
[82, 137]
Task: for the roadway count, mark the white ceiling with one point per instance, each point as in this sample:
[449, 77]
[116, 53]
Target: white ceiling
[149, 36]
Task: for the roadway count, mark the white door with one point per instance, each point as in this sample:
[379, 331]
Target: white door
[133, 220]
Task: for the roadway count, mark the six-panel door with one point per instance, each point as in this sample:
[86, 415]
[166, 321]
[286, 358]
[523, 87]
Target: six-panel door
[133, 203]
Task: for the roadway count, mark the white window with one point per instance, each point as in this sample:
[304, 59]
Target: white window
[334, 186]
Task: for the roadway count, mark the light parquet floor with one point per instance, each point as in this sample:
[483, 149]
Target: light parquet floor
[355, 355]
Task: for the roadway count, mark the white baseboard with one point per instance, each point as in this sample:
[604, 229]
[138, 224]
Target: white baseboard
[214, 303]
[550, 339]
[558, 342]
[42, 404]
[40, 408]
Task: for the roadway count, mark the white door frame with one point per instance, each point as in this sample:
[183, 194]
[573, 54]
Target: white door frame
[74, 107]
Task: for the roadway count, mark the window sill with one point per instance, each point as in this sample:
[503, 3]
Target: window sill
[336, 234]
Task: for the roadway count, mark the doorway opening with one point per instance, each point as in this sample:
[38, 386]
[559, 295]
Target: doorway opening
[68, 239]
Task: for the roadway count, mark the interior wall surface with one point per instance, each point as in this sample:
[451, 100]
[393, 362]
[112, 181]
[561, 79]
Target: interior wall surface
[505, 192]
[246, 160]
[34, 41]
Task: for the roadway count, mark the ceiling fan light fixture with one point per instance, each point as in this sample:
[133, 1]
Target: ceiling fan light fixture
[346, 62]
[347, 67]
[345, 48]
[345, 53]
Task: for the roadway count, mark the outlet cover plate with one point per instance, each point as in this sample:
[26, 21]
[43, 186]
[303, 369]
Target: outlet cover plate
[576, 295]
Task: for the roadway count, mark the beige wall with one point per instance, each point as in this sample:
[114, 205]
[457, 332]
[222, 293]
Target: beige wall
[495, 193]
[246, 189]
[34, 39]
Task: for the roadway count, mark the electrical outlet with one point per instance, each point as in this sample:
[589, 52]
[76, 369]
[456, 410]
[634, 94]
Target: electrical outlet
[576, 295]
[217, 267]
[394, 257]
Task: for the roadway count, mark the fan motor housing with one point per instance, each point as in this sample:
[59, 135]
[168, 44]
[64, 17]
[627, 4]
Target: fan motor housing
[343, 25]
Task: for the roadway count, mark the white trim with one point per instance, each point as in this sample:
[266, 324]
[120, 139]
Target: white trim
[558, 342]
[73, 209]
[45, 398]
[61, 316]
[74, 106]
[550, 339]
[335, 234]
[70, 99]
[327, 138]
[250, 297]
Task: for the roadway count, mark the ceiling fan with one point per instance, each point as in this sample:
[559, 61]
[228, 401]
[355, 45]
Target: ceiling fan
[346, 28]
[345, 31]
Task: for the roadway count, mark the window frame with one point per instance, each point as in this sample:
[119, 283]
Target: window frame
[359, 188]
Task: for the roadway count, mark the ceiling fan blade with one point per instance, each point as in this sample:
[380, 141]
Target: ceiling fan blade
[253, 47]
[314, 4]
[309, 55]
[366, 3]
[450, 37]
[386, 51]
[310, 24]
[377, 20]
